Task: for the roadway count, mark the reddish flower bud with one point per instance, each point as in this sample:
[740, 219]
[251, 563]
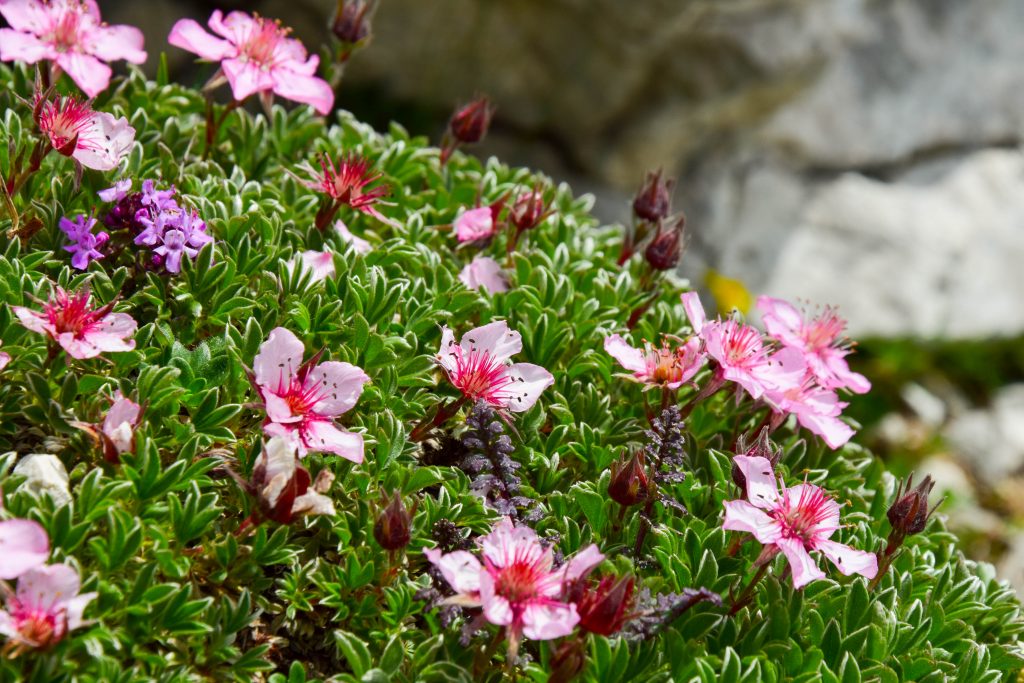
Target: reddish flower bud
[909, 513]
[568, 661]
[654, 200]
[603, 608]
[351, 25]
[763, 448]
[469, 124]
[664, 250]
[392, 526]
[629, 484]
[528, 210]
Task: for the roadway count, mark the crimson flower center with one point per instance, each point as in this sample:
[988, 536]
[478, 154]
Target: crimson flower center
[37, 626]
[300, 398]
[71, 313]
[800, 518]
[261, 43]
[742, 344]
[517, 582]
[479, 375]
[65, 32]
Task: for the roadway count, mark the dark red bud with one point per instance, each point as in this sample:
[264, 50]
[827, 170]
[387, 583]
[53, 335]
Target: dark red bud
[654, 200]
[664, 250]
[909, 513]
[568, 661]
[629, 484]
[351, 25]
[392, 526]
[470, 123]
[603, 609]
[528, 210]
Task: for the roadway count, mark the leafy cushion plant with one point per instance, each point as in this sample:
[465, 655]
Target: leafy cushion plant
[215, 554]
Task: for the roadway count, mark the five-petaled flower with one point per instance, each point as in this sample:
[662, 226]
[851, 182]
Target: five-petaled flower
[256, 56]
[71, 35]
[516, 584]
[82, 331]
[44, 607]
[95, 139]
[84, 245]
[302, 399]
[817, 409]
[483, 271]
[480, 368]
[658, 366]
[117, 432]
[794, 520]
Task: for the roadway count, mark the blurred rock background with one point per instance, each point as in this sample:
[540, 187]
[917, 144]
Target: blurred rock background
[862, 153]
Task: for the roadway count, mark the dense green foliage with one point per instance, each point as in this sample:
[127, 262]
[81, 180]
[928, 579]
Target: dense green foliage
[182, 598]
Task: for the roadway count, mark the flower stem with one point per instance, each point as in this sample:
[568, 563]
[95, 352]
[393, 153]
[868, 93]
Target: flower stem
[442, 413]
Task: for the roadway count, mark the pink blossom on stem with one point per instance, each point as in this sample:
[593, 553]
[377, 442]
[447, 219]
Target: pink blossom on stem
[70, 34]
[475, 224]
[45, 606]
[483, 271]
[355, 241]
[256, 56]
[816, 409]
[661, 366]
[94, 139]
[821, 341]
[302, 399]
[82, 331]
[516, 584]
[118, 428]
[5, 358]
[480, 367]
[23, 545]
[794, 521]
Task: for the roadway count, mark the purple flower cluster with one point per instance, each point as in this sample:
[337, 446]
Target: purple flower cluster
[84, 245]
[157, 222]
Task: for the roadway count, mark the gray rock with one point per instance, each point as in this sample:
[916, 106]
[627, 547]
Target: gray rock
[991, 441]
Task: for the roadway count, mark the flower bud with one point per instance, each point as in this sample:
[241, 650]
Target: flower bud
[762, 448]
[909, 513]
[603, 608]
[629, 484]
[351, 25]
[654, 200]
[469, 124]
[528, 210]
[282, 486]
[664, 250]
[392, 526]
[568, 661]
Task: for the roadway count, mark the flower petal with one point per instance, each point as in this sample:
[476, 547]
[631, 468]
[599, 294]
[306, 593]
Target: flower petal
[105, 142]
[88, 73]
[694, 311]
[278, 360]
[782, 320]
[742, 516]
[581, 564]
[26, 15]
[762, 487]
[528, 382]
[23, 47]
[547, 620]
[74, 608]
[299, 87]
[322, 435]
[446, 356]
[495, 338]
[460, 569]
[110, 43]
[497, 609]
[628, 356]
[313, 503]
[23, 545]
[849, 560]
[803, 566]
[189, 35]
[341, 384]
[245, 78]
[46, 588]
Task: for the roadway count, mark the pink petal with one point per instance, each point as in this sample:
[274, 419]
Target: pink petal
[26, 15]
[74, 608]
[111, 43]
[460, 569]
[848, 560]
[46, 588]
[313, 503]
[245, 78]
[445, 354]
[547, 620]
[23, 47]
[694, 311]
[189, 35]
[782, 320]
[298, 87]
[629, 357]
[341, 385]
[495, 338]
[834, 431]
[827, 512]
[803, 566]
[843, 377]
[508, 544]
[742, 516]
[319, 263]
[474, 224]
[235, 27]
[580, 564]
[37, 322]
[528, 382]
[109, 333]
[278, 360]
[88, 73]
[118, 191]
[497, 609]
[358, 243]
[105, 142]
[762, 487]
[484, 272]
[23, 545]
[785, 368]
[121, 411]
[5, 358]
[323, 436]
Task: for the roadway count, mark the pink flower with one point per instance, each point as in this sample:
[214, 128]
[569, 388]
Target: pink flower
[256, 56]
[282, 486]
[653, 365]
[741, 354]
[820, 340]
[70, 34]
[483, 271]
[475, 224]
[358, 243]
[117, 192]
[345, 183]
[795, 521]
[302, 400]
[320, 264]
[5, 358]
[480, 368]
[83, 331]
[45, 607]
[816, 409]
[118, 428]
[516, 584]
[94, 139]
[23, 546]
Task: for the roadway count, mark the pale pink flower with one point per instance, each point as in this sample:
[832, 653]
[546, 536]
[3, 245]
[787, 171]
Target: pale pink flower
[662, 366]
[821, 341]
[475, 224]
[256, 56]
[83, 331]
[483, 271]
[480, 367]
[302, 399]
[23, 545]
[817, 409]
[118, 428]
[45, 606]
[70, 34]
[117, 192]
[282, 486]
[516, 584]
[93, 138]
[358, 243]
[320, 264]
[5, 358]
[794, 521]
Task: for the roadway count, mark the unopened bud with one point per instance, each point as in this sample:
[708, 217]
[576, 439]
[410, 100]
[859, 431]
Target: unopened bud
[664, 250]
[470, 123]
[603, 609]
[568, 661]
[528, 210]
[909, 513]
[629, 484]
[351, 25]
[392, 526]
[654, 200]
